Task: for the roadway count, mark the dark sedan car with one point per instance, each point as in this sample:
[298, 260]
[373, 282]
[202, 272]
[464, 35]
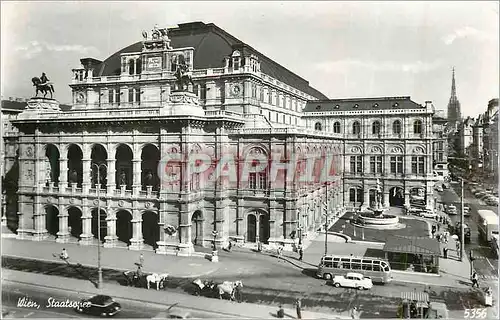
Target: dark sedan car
[99, 305]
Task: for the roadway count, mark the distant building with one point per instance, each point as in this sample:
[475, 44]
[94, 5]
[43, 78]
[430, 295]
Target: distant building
[387, 139]
[465, 137]
[454, 110]
[440, 145]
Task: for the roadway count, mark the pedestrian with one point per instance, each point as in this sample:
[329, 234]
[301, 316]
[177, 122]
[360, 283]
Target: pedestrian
[229, 246]
[238, 294]
[457, 244]
[278, 251]
[438, 238]
[298, 307]
[141, 259]
[259, 246]
[438, 227]
[475, 279]
[301, 253]
[64, 254]
[281, 312]
[445, 253]
[354, 313]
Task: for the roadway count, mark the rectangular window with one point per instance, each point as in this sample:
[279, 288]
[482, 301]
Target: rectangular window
[269, 97]
[262, 181]
[356, 164]
[397, 164]
[418, 165]
[236, 64]
[254, 91]
[261, 94]
[138, 95]
[284, 121]
[203, 92]
[252, 180]
[130, 95]
[440, 157]
[376, 164]
[117, 96]
[114, 95]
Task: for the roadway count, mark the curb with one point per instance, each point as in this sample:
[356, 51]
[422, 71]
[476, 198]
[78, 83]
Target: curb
[121, 298]
[105, 267]
[424, 283]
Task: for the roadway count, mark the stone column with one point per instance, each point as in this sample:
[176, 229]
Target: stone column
[86, 236]
[63, 234]
[63, 174]
[136, 177]
[86, 174]
[111, 174]
[111, 238]
[136, 243]
[366, 198]
[386, 199]
[407, 197]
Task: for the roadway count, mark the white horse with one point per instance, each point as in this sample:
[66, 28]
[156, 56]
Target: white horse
[228, 288]
[159, 279]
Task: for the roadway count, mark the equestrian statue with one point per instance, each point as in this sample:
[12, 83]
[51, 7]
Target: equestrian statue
[43, 85]
[182, 73]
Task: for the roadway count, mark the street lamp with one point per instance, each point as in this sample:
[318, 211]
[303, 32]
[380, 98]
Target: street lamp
[325, 214]
[214, 234]
[98, 186]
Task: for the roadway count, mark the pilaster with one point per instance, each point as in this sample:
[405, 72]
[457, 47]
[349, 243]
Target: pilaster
[63, 173]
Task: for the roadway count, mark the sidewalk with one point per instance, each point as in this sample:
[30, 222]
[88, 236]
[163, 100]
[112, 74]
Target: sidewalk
[223, 308]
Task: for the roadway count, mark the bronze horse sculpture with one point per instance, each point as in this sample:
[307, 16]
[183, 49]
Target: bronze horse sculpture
[42, 87]
[182, 73]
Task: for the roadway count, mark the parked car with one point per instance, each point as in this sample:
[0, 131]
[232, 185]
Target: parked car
[99, 305]
[492, 201]
[467, 211]
[484, 196]
[451, 210]
[439, 189]
[352, 280]
[479, 194]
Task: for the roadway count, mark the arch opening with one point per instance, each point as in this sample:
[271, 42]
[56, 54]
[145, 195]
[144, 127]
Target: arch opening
[51, 164]
[150, 157]
[124, 226]
[396, 197]
[197, 228]
[98, 156]
[52, 220]
[150, 228]
[75, 165]
[75, 226]
[95, 225]
[124, 171]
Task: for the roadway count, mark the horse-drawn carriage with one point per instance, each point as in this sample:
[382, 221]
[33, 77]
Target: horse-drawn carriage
[209, 288]
[141, 280]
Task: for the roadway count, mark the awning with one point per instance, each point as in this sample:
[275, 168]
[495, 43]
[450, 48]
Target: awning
[418, 296]
[415, 245]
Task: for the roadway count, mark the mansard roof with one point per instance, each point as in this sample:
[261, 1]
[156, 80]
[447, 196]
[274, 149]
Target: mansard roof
[211, 45]
[362, 104]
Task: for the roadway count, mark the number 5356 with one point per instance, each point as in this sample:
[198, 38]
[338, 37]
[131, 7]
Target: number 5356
[476, 313]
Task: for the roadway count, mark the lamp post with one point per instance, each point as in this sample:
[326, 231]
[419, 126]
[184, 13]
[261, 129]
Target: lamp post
[214, 234]
[325, 214]
[98, 186]
[462, 240]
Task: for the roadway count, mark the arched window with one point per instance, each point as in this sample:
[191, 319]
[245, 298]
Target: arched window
[317, 126]
[417, 126]
[336, 127]
[356, 128]
[376, 127]
[396, 127]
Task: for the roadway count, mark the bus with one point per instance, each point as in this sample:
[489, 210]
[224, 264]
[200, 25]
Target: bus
[376, 269]
[487, 224]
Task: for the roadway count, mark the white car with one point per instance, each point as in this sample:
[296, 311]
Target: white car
[428, 214]
[353, 280]
[451, 210]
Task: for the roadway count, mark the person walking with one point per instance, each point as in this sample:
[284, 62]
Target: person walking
[445, 252]
[64, 254]
[141, 260]
[301, 253]
[475, 279]
[354, 313]
[457, 245]
[281, 312]
[238, 294]
[298, 308]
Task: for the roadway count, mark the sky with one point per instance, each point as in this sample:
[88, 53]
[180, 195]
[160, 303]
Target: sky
[344, 49]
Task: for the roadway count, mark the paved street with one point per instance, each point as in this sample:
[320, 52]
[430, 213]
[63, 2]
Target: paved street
[269, 281]
[12, 293]
[486, 264]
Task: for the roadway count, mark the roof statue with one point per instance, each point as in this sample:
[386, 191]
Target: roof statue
[158, 39]
[182, 73]
[43, 84]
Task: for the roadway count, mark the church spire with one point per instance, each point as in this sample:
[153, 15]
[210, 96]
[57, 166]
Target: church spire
[453, 87]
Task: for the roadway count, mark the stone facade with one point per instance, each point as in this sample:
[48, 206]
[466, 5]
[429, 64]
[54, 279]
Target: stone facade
[106, 154]
[389, 139]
